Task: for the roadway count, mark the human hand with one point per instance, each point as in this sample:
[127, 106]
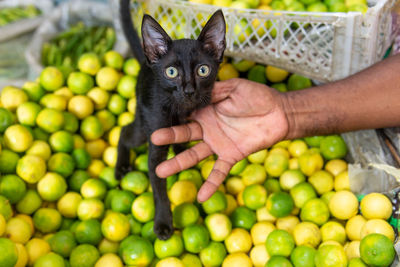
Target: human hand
[244, 117]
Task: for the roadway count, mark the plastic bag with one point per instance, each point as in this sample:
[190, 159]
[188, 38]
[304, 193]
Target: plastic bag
[24, 25]
[61, 18]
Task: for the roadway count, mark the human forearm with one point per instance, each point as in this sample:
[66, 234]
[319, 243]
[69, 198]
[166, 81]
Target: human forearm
[369, 99]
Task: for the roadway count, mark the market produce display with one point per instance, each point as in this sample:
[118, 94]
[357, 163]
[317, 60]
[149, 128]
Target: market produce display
[292, 5]
[60, 204]
[13, 14]
[65, 49]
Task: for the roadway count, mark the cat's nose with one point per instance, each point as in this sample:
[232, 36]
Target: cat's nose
[188, 91]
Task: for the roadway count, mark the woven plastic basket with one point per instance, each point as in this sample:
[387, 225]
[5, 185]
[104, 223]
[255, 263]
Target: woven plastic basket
[322, 46]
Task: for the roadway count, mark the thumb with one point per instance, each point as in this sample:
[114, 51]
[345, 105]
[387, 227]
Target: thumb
[223, 89]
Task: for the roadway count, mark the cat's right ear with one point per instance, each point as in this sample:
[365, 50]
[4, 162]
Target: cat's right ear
[155, 40]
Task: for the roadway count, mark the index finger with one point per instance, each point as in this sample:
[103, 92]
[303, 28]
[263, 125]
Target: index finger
[177, 134]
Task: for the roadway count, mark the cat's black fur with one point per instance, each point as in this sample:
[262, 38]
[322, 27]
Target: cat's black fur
[163, 101]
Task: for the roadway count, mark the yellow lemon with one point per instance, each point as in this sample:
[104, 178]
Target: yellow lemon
[22, 255]
[81, 106]
[336, 166]
[264, 215]
[376, 206]
[307, 233]
[183, 191]
[12, 97]
[238, 259]
[377, 226]
[354, 226]
[275, 74]
[17, 138]
[259, 255]
[227, 71]
[260, 231]
[352, 249]
[239, 240]
[342, 181]
[343, 205]
[36, 247]
[287, 223]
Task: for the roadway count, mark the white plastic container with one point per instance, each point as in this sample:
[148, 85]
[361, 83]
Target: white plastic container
[322, 46]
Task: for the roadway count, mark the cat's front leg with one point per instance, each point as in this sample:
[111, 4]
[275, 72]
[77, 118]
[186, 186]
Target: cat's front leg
[132, 135]
[163, 218]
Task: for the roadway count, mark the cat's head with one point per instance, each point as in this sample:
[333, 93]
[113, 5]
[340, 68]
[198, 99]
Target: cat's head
[186, 68]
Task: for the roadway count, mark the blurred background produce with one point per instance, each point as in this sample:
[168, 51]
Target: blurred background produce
[12, 14]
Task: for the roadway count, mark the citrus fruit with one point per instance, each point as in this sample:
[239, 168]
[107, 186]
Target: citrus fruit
[307, 233]
[279, 243]
[303, 256]
[47, 220]
[190, 260]
[147, 231]
[89, 63]
[77, 179]
[22, 255]
[301, 193]
[6, 119]
[99, 97]
[91, 128]
[81, 106]
[237, 259]
[322, 181]
[107, 246]
[352, 249]
[57, 102]
[51, 187]
[96, 148]
[110, 155]
[281, 87]
[333, 231]
[243, 217]
[227, 71]
[12, 187]
[12, 97]
[378, 226]
[39, 148]
[259, 255]
[254, 196]
[170, 261]
[316, 211]
[192, 175]
[50, 259]
[276, 164]
[108, 177]
[93, 188]
[18, 230]
[185, 214]
[9, 253]
[2, 224]
[280, 204]
[61, 141]
[330, 255]
[64, 92]
[116, 104]
[257, 74]
[333, 147]
[169, 248]
[298, 82]
[31, 168]
[260, 231]
[376, 206]
[50, 120]
[195, 238]
[275, 74]
[313, 141]
[35, 248]
[131, 67]
[29, 203]
[231, 204]
[342, 181]
[17, 138]
[33, 90]
[213, 254]
[258, 157]
[61, 163]
[115, 226]
[126, 86]
[354, 226]
[280, 261]
[27, 113]
[239, 240]
[113, 59]
[62, 242]
[219, 226]
[143, 207]
[264, 215]
[377, 250]
[106, 118]
[84, 255]
[253, 174]
[88, 232]
[310, 162]
[272, 186]
[336, 166]
[122, 201]
[185, 192]
[290, 178]
[5, 207]
[109, 259]
[51, 79]
[356, 262]
[82, 158]
[297, 147]
[216, 203]
[90, 208]
[287, 223]
[343, 205]
[137, 251]
[234, 185]
[107, 78]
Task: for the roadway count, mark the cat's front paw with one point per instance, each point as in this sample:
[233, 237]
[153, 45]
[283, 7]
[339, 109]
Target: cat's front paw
[120, 172]
[163, 230]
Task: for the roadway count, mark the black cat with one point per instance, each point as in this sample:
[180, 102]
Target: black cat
[176, 77]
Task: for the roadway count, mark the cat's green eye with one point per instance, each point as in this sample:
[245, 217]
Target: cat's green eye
[203, 71]
[171, 72]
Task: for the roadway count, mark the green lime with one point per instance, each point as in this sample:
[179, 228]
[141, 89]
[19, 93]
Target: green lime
[191, 175]
[71, 123]
[301, 193]
[316, 211]
[314, 141]
[317, 7]
[281, 87]
[50, 120]
[31, 168]
[84, 255]
[333, 231]
[278, 261]
[290, 178]
[82, 158]
[190, 260]
[333, 147]
[61, 141]
[219, 226]
[107, 119]
[115, 226]
[216, 203]
[109, 196]
[5, 208]
[94, 188]
[29, 203]
[258, 157]
[6, 119]
[143, 207]
[117, 104]
[107, 78]
[62, 242]
[135, 181]
[50, 259]
[330, 256]
[131, 67]
[122, 201]
[356, 262]
[51, 79]
[377, 250]
[257, 74]
[12, 187]
[169, 248]
[136, 227]
[303, 256]
[26, 114]
[213, 255]
[195, 238]
[54, 101]
[272, 186]
[33, 90]
[147, 231]
[12, 97]
[77, 179]
[275, 164]
[254, 196]
[67, 205]
[107, 246]
[89, 63]
[91, 128]
[18, 138]
[9, 253]
[51, 187]
[47, 220]
[298, 82]
[253, 174]
[279, 243]
[126, 86]
[280, 204]
[62, 164]
[243, 217]
[80, 83]
[107, 175]
[91, 208]
[136, 251]
[113, 59]
[185, 214]
[40, 134]
[88, 232]
[338, 7]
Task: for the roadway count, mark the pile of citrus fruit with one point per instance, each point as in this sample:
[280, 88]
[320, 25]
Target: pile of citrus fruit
[60, 204]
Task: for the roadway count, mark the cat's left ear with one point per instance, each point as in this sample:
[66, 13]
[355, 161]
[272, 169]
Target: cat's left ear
[155, 40]
[212, 36]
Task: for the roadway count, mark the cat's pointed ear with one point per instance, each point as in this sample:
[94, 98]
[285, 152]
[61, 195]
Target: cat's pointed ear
[155, 40]
[212, 36]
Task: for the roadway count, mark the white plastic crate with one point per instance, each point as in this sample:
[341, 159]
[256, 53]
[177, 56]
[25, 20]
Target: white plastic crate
[322, 46]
